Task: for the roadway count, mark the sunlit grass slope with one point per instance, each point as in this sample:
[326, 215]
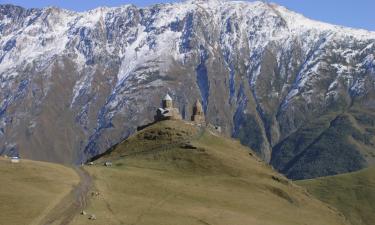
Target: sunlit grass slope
[173, 173]
[353, 194]
[29, 190]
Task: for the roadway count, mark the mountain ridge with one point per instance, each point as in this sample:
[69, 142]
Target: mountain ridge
[262, 73]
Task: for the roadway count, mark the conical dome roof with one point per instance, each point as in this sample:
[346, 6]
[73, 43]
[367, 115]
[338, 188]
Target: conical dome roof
[167, 98]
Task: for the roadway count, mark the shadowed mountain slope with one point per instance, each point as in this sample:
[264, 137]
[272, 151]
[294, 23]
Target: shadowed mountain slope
[75, 83]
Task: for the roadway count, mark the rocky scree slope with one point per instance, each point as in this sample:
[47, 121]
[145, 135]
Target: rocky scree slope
[73, 84]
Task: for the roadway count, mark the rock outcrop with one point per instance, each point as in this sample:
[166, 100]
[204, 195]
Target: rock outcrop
[74, 84]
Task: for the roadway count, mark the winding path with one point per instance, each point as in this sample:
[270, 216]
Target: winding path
[71, 205]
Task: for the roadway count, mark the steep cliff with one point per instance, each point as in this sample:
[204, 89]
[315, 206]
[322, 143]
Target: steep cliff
[73, 84]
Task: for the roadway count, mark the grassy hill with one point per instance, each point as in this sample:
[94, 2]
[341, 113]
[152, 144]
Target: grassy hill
[30, 190]
[353, 194]
[334, 143]
[176, 173]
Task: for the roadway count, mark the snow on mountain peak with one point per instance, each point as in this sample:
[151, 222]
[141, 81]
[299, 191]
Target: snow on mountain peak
[52, 35]
[50, 31]
[297, 22]
[127, 52]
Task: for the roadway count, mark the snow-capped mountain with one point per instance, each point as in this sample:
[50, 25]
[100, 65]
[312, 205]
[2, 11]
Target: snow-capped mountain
[73, 84]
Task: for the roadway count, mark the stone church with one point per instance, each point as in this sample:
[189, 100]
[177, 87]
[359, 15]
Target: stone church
[168, 112]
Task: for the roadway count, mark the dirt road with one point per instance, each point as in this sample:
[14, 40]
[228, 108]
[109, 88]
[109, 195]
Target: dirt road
[65, 211]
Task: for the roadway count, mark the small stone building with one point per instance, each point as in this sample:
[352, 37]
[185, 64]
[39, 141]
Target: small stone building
[15, 159]
[167, 112]
[198, 114]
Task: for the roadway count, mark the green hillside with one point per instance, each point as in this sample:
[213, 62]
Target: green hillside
[353, 194]
[332, 144]
[174, 173]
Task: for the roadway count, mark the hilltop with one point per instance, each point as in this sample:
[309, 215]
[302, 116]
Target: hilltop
[174, 172]
[265, 74]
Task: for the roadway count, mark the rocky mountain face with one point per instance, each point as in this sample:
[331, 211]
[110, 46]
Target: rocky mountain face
[298, 92]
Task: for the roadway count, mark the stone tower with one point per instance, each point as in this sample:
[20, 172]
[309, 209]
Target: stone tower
[167, 102]
[198, 114]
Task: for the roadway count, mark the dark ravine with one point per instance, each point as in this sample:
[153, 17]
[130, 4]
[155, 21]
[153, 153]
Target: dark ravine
[74, 84]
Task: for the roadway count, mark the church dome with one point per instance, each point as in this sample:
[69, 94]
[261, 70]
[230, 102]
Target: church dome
[167, 98]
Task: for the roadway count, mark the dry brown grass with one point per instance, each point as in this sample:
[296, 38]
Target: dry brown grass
[216, 182]
[353, 194]
[30, 189]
